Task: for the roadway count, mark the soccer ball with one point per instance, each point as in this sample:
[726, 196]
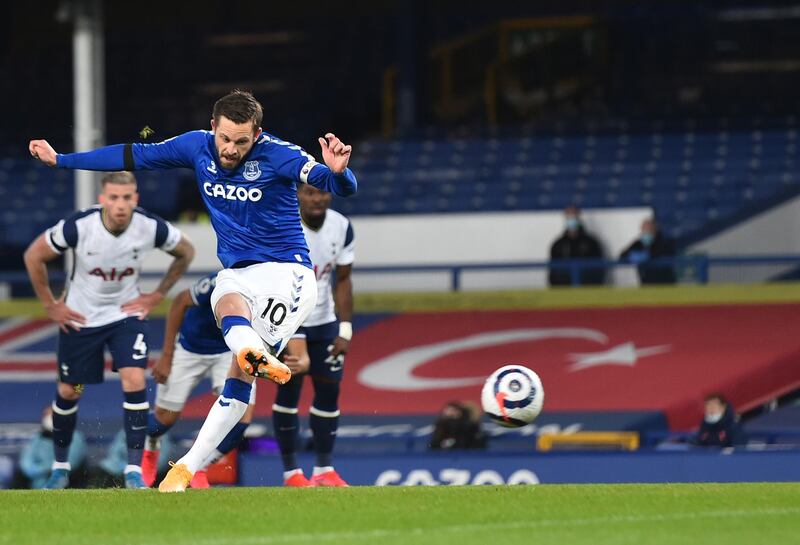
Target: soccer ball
[513, 396]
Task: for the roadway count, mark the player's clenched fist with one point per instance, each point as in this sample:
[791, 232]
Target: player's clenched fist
[42, 150]
[335, 153]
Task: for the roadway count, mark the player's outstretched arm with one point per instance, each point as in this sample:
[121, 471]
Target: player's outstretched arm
[108, 158]
[142, 305]
[36, 257]
[177, 310]
[173, 153]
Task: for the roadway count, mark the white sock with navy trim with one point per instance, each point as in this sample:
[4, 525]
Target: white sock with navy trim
[239, 333]
[223, 416]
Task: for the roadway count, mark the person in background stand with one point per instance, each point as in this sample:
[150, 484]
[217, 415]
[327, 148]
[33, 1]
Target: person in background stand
[649, 247]
[575, 243]
[720, 426]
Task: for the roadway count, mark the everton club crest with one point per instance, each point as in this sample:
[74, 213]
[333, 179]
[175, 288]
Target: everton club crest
[251, 171]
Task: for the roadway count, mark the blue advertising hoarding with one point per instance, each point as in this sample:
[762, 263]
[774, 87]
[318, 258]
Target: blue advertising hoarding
[496, 468]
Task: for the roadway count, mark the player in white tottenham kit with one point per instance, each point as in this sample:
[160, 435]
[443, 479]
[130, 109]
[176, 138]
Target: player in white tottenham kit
[248, 180]
[332, 249]
[193, 349]
[102, 307]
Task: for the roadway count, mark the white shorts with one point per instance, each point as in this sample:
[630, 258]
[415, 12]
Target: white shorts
[188, 369]
[281, 296]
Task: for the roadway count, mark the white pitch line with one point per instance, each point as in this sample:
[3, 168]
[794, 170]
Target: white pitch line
[494, 526]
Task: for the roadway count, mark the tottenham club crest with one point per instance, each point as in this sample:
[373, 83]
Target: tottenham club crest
[251, 171]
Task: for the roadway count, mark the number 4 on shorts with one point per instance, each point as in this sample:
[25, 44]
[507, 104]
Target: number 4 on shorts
[140, 346]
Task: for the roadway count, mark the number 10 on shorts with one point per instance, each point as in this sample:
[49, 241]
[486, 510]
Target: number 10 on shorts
[276, 312]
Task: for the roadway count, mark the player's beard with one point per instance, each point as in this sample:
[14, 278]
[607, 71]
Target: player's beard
[228, 166]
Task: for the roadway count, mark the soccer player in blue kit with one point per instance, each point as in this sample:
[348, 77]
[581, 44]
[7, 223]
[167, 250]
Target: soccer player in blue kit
[193, 349]
[248, 181]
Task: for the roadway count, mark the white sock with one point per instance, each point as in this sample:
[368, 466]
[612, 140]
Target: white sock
[152, 443]
[61, 465]
[289, 474]
[130, 467]
[320, 470]
[212, 458]
[242, 336]
[221, 419]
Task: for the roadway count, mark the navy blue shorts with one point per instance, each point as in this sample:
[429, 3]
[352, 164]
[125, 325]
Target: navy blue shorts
[319, 338]
[80, 353]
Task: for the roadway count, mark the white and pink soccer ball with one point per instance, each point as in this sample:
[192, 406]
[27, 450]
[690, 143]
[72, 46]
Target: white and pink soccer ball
[513, 396]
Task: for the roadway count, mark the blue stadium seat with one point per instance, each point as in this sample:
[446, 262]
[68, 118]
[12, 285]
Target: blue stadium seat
[689, 176]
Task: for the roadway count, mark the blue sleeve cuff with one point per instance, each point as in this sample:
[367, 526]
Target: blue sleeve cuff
[345, 183]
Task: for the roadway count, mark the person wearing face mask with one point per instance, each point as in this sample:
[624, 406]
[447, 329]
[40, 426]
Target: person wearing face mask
[720, 426]
[575, 243]
[649, 247]
[37, 456]
[458, 427]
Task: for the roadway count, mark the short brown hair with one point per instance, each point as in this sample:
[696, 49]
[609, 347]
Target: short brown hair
[240, 107]
[120, 178]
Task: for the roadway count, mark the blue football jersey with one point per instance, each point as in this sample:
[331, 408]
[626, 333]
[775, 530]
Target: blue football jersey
[199, 332]
[253, 207]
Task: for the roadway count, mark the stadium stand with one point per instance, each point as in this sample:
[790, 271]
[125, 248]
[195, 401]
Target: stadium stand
[46, 195]
[690, 177]
[694, 131]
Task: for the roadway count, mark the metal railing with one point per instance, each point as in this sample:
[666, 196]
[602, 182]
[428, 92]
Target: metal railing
[695, 268]
[687, 269]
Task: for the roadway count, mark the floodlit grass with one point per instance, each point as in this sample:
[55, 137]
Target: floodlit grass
[727, 514]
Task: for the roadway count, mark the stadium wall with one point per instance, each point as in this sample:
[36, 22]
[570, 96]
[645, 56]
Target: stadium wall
[482, 238]
[768, 233]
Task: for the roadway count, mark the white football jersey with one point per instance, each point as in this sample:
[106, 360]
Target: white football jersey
[105, 267]
[329, 246]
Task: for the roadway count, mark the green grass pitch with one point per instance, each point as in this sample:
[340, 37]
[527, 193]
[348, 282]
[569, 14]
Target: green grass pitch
[681, 514]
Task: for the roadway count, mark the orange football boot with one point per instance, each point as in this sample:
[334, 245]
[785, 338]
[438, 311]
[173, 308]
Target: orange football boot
[259, 363]
[177, 479]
